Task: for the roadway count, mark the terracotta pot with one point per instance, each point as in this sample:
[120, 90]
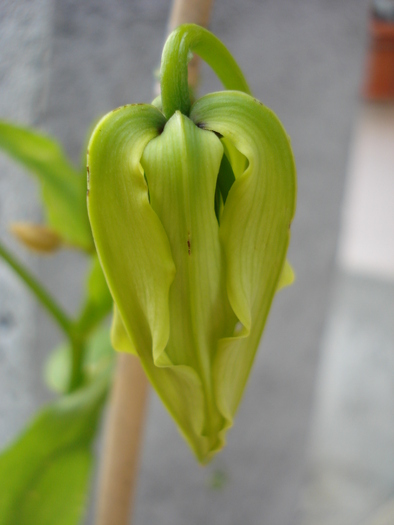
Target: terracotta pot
[379, 79]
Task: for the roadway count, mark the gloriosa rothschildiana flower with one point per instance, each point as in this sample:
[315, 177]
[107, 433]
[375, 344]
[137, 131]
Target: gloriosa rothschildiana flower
[190, 207]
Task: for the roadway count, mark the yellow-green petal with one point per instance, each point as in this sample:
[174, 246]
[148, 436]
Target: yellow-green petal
[131, 243]
[182, 167]
[119, 337]
[254, 228]
[154, 275]
[192, 288]
[286, 277]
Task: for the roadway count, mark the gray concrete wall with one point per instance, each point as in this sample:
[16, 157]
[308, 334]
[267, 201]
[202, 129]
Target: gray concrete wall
[303, 59]
[25, 28]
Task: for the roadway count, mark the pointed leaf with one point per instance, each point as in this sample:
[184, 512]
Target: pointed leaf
[57, 370]
[45, 473]
[98, 356]
[63, 189]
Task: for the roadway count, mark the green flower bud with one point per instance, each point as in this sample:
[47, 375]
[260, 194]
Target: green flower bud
[190, 208]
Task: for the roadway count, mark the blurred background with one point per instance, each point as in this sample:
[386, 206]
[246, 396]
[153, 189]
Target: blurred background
[313, 443]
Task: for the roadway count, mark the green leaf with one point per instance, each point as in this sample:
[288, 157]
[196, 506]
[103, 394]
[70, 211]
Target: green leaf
[57, 370]
[97, 305]
[58, 495]
[63, 189]
[98, 356]
[45, 473]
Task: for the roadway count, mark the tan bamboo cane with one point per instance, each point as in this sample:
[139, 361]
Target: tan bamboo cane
[122, 442]
[126, 414]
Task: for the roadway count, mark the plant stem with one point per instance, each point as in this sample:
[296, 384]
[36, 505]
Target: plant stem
[77, 353]
[41, 294]
[186, 12]
[174, 71]
[66, 324]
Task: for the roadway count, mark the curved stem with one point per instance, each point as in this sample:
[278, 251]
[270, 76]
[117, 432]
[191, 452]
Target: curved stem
[77, 353]
[184, 40]
[41, 294]
[74, 335]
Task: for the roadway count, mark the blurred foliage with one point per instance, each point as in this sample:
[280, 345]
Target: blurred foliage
[45, 472]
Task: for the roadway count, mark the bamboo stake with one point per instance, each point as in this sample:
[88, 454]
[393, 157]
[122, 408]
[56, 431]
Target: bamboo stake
[125, 422]
[123, 439]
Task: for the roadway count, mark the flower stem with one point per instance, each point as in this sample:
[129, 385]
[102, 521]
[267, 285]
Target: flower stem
[184, 40]
[40, 293]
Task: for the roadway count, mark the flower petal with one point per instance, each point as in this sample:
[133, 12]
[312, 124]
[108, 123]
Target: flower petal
[130, 240]
[254, 228]
[182, 166]
[160, 251]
